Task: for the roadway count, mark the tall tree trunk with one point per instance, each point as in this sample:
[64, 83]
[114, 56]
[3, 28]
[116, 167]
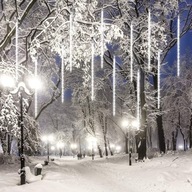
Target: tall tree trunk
[4, 142]
[105, 136]
[141, 136]
[159, 120]
[100, 151]
[9, 140]
[161, 137]
[126, 143]
[149, 137]
[174, 139]
[183, 136]
[111, 150]
[190, 132]
[167, 144]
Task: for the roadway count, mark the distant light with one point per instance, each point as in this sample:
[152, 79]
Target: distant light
[50, 138]
[125, 123]
[34, 83]
[112, 146]
[92, 140]
[135, 124]
[60, 145]
[47, 138]
[180, 146]
[52, 148]
[118, 148]
[73, 146]
[7, 81]
[44, 138]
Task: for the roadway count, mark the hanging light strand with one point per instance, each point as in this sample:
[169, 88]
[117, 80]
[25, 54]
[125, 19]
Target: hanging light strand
[149, 40]
[178, 45]
[71, 42]
[102, 37]
[158, 79]
[92, 70]
[114, 85]
[62, 75]
[138, 97]
[16, 49]
[36, 88]
[131, 52]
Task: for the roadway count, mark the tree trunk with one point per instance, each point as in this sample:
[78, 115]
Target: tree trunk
[111, 151]
[141, 136]
[190, 132]
[159, 120]
[9, 140]
[174, 140]
[4, 143]
[167, 144]
[149, 137]
[126, 143]
[160, 130]
[105, 137]
[100, 151]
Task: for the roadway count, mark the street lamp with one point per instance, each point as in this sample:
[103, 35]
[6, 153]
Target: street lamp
[47, 139]
[92, 142]
[73, 148]
[20, 89]
[128, 125]
[60, 145]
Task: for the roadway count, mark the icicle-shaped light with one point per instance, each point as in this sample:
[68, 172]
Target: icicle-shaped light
[138, 97]
[158, 79]
[71, 42]
[178, 45]
[131, 52]
[92, 70]
[62, 75]
[114, 85]
[16, 49]
[102, 37]
[36, 88]
[149, 40]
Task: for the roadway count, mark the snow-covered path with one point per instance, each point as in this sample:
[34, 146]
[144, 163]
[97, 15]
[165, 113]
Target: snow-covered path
[171, 173]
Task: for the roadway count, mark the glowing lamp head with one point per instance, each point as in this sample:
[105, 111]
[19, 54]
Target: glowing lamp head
[34, 83]
[112, 146]
[60, 145]
[52, 148]
[73, 146]
[118, 148]
[7, 81]
[135, 124]
[125, 123]
[44, 138]
[47, 138]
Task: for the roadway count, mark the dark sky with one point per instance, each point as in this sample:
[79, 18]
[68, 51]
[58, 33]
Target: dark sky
[185, 44]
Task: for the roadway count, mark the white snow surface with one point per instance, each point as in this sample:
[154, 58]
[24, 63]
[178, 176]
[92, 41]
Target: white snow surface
[168, 173]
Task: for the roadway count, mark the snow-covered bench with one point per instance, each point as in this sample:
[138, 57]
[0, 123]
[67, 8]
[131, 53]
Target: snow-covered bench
[30, 177]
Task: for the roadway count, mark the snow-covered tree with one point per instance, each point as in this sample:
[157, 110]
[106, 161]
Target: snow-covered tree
[176, 104]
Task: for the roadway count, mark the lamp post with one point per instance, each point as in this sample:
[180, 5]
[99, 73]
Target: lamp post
[47, 139]
[20, 89]
[73, 148]
[129, 125]
[60, 145]
[9, 82]
[92, 141]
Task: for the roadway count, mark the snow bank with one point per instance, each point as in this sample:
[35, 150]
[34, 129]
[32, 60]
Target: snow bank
[168, 173]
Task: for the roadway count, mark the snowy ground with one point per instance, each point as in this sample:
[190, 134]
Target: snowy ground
[170, 173]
